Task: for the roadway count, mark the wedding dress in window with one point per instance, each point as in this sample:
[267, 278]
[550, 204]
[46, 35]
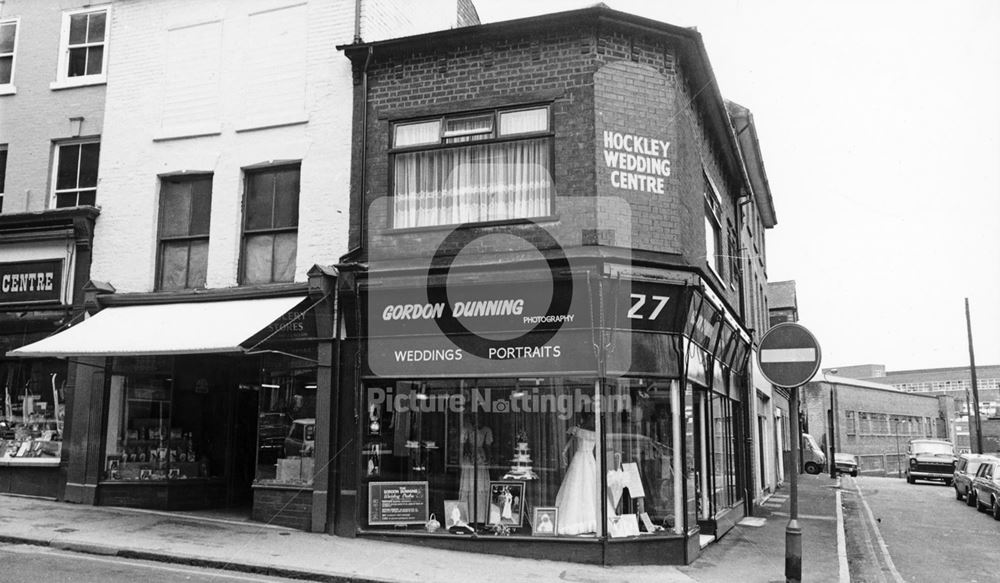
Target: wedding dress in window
[577, 500]
[474, 484]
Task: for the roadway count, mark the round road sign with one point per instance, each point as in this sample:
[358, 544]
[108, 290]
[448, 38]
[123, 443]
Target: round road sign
[789, 355]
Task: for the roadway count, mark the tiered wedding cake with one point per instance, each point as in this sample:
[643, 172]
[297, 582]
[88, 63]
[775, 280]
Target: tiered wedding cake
[520, 468]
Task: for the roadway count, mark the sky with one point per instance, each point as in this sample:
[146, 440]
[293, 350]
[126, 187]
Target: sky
[879, 123]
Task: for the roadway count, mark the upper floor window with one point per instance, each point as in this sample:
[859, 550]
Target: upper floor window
[83, 55]
[489, 166]
[8, 44]
[3, 172]
[270, 225]
[734, 258]
[76, 173]
[713, 227]
[185, 211]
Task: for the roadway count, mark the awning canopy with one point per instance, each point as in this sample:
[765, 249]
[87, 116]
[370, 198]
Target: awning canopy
[180, 328]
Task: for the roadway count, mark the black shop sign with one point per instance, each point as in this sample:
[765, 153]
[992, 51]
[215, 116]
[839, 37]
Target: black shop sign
[31, 282]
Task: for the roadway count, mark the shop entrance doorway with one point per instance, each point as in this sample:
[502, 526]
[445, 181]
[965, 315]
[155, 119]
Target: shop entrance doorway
[243, 448]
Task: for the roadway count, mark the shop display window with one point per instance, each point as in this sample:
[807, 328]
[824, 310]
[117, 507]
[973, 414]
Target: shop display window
[162, 425]
[286, 426]
[520, 457]
[727, 490]
[31, 423]
[643, 473]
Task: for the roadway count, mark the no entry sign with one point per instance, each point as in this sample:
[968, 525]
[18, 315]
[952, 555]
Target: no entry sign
[789, 355]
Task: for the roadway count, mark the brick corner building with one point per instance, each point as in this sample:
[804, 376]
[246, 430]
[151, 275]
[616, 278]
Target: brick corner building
[546, 286]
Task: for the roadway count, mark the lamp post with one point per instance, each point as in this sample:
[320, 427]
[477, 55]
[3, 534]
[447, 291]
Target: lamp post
[832, 424]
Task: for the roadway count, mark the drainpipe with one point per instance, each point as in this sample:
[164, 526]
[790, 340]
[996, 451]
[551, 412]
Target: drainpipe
[357, 21]
[362, 179]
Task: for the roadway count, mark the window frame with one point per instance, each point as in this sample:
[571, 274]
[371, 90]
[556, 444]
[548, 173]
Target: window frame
[57, 156]
[161, 239]
[9, 88]
[463, 139]
[63, 79]
[713, 214]
[849, 421]
[248, 173]
[4, 154]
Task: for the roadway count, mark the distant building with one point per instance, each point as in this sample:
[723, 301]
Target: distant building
[873, 420]
[954, 382]
[783, 305]
[860, 371]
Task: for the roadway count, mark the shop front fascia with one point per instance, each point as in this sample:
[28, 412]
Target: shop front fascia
[214, 399]
[44, 258]
[489, 409]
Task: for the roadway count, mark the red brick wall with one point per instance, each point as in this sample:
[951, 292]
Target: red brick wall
[595, 80]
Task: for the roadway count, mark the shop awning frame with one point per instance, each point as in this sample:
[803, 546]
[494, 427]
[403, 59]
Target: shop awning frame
[212, 327]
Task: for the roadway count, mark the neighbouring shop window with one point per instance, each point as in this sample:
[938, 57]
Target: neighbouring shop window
[31, 423]
[483, 455]
[82, 48]
[166, 422]
[76, 174]
[270, 225]
[696, 504]
[488, 166]
[725, 478]
[8, 43]
[286, 423]
[185, 211]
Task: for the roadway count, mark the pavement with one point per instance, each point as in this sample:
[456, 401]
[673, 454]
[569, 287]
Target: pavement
[751, 552]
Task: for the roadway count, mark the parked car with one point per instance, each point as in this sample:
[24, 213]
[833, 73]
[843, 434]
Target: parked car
[986, 488]
[965, 470]
[846, 463]
[930, 459]
[301, 438]
[813, 458]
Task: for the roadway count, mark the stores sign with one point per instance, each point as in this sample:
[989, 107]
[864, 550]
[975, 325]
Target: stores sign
[31, 282]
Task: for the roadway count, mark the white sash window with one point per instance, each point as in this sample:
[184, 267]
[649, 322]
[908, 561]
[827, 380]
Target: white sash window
[493, 166]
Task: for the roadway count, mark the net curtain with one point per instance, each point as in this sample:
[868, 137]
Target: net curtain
[475, 183]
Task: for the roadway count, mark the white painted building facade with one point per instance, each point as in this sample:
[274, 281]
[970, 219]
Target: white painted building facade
[220, 89]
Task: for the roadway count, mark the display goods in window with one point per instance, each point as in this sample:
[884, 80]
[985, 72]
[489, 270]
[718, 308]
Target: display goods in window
[488, 452]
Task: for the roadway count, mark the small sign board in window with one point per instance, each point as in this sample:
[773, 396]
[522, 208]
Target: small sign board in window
[397, 503]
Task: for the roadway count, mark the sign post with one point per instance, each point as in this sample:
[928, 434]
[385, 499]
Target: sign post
[789, 356]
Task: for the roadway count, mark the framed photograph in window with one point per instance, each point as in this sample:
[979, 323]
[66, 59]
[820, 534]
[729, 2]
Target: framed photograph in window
[506, 503]
[545, 521]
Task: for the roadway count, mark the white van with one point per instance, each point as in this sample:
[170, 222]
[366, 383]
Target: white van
[813, 458]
